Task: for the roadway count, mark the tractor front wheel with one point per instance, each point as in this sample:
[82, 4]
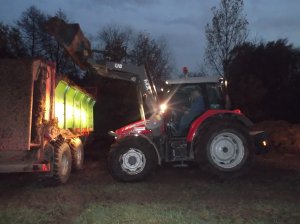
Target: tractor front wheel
[131, 159]
[226, 148]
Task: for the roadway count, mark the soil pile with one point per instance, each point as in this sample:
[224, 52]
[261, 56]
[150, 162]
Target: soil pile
[284, 137]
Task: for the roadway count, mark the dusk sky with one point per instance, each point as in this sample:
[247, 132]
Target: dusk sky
[181, 22]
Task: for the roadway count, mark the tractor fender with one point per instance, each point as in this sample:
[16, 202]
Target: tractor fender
[213, 115]
[139, 135]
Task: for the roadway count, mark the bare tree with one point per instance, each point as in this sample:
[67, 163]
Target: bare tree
[115, 40]
[30, 25]
[154, 55]
[11, 44]
[227, 30]
[119, 44]
[56, 53]
[52, 49]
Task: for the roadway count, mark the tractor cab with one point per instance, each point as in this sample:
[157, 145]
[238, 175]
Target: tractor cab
[188, 98]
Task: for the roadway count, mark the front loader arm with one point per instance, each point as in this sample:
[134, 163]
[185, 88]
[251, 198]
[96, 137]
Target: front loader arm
[71, 37]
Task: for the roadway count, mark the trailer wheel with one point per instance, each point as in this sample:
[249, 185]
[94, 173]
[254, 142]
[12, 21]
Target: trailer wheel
[77, 152]
[226, 148]
[131, 159]
[62, 163]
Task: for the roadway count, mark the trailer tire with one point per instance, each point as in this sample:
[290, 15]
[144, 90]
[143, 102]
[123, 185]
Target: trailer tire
[225, 148]
[62, 163]
[77, 152]
[131, 159]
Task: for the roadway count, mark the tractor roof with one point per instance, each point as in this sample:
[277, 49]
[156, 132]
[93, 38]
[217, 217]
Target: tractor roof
[204, 79]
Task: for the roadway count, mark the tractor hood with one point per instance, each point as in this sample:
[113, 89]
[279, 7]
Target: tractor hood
[154, 126]
[138, 127]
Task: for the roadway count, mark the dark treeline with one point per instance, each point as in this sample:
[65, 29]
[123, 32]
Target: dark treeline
[28, 38]
[264, 80]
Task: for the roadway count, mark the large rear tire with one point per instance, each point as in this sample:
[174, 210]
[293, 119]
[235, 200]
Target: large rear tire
[131, 159]
[62, 163]
[225, 148]
[77, 152]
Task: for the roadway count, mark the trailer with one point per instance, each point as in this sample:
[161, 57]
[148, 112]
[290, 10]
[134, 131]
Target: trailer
[44, 121]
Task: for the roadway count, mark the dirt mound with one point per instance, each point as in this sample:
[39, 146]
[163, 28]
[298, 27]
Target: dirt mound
[285, 137]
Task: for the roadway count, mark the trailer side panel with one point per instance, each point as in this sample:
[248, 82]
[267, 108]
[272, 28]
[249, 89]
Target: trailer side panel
[16, 88]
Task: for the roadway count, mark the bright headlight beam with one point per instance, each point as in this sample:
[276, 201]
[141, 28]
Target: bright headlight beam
[163, 107]
[264, 143]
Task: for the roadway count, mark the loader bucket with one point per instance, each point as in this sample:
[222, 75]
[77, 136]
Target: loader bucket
[72, 39]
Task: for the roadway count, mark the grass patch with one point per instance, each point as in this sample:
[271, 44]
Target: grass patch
[176, 213]
[25, 215]
[137, 213]
[22, 216]
[173, 197]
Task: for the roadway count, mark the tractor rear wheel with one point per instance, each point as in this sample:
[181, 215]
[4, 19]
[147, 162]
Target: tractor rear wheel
[62, 163]
[226, 148]
[77, 152]
[131, 159]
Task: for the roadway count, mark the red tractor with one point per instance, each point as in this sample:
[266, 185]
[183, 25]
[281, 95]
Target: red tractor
[214, 137]
[172, 129]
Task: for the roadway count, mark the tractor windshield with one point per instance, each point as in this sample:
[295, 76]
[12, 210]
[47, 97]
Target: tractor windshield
[181, 95]
[185, 102]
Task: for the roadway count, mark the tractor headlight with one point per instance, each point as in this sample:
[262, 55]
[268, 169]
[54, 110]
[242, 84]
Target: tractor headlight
[264, 143]
[163, 107]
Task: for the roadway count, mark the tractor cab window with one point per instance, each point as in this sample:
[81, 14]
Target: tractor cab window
[186, 102]
[214, 96]
[182, 97]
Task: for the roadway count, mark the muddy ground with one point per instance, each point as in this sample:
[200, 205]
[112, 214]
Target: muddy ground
[270, 193]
